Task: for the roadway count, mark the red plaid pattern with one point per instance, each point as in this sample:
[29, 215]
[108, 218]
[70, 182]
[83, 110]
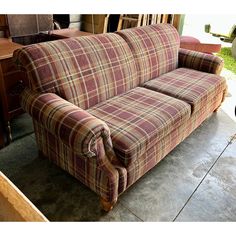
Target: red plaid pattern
[157, 152]
[74, 126]
[139, 119]
[84, 71]
[200, 61]
[76, 141]
[104, 178]
[155, 49]
[126, 130]
[191, 86]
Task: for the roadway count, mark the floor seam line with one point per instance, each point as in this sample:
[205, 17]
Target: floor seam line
[202, 180]
[22, 136]
[131, 211]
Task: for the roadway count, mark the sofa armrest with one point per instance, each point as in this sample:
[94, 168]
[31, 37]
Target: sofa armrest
[74, 126]
[200, 61]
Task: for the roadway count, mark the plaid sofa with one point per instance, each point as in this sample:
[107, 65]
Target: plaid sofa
[107, 108]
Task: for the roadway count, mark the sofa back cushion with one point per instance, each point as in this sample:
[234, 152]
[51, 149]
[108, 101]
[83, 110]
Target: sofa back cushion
[84, 71]
[155, 49]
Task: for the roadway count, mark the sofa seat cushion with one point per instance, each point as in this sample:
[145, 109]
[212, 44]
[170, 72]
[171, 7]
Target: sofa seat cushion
[191, 86]
[139, 119]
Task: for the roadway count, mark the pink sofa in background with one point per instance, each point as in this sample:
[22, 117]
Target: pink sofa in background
[192, 43]
[107, 108]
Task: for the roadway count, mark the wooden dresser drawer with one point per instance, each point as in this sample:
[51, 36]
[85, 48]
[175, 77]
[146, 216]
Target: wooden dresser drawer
[14, 83]
[8, 65]
[13, 90]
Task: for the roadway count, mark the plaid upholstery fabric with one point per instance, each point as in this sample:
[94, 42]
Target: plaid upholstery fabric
[103, 178]
[84, 71]
[157, 152]
[75, 127]
[97, 173]
[139, 119]
[155, 49]
[200, 61]
[142, 125]
[77, 142]
[191, 86]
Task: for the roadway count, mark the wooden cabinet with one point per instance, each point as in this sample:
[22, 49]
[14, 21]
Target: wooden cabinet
[12, 82]
[3, 22]
[1, 134]
[4, 30]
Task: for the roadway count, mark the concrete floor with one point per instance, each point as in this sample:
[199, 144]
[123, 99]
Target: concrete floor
[195, 182]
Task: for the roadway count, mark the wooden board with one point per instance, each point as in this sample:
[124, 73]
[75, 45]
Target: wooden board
[7, 48]
[69, 33]
[14, 205]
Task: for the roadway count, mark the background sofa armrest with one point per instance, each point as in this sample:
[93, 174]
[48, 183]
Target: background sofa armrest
[74, 126]
[200, 61]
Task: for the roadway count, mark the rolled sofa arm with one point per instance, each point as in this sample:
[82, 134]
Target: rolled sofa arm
[200, 61]
[74, 126]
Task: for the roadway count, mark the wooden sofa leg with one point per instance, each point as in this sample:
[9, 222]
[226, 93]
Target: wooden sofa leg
[41, 155]
[217, 109]
[223, 98]
[106, 205]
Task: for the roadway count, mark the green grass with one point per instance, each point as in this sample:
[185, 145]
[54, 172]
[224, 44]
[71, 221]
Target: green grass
[230, 62]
